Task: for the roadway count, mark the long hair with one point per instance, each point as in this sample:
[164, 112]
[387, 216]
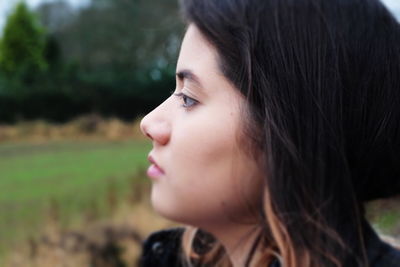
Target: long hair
[322, 83]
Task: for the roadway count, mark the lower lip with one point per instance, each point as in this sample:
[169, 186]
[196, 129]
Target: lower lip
[154, 172]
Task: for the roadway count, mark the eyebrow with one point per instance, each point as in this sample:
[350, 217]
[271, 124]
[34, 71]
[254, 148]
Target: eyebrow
[190, 76]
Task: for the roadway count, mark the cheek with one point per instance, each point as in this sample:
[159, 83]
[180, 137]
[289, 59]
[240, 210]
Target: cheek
[202, 150]
[198, 181]
[207, 176]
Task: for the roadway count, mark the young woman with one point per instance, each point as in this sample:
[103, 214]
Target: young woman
[284, 122]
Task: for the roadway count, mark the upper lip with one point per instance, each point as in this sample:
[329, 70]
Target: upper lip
[151, 159]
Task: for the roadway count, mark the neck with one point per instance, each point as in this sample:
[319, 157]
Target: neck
[238, 241]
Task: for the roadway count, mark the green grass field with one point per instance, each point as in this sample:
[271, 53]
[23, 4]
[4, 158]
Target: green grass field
[63, 181]
[72, 182]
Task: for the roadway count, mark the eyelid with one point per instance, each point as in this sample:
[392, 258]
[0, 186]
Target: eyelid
[183, 96]
[184, 91]
[185, 82]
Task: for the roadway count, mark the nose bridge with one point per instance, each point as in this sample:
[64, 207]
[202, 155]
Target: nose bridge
[156, 125]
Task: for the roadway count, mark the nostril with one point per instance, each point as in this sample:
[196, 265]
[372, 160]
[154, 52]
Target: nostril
[146, 133]
[145, 129]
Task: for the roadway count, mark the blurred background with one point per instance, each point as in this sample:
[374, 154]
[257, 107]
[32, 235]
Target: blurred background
[76, 76]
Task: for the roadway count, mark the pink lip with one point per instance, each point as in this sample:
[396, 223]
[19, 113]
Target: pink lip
[154, 171]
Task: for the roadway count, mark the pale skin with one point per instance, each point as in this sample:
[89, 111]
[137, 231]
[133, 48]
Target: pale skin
[208, 180]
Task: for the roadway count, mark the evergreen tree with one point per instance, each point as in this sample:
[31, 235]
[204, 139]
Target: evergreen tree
[22, 48]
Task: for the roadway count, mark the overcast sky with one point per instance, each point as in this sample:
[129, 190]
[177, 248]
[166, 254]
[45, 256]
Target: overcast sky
[6, 6]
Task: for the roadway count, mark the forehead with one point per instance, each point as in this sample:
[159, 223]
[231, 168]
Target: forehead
[197, 54]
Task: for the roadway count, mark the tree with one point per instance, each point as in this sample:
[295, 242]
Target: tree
[22, 48]
[121, 35]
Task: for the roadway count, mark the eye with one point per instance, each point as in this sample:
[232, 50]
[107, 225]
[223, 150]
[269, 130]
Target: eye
[188, 102]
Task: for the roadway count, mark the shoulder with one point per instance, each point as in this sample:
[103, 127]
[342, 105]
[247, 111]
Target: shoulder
[389, 257]
[380, 253]
[162, 248]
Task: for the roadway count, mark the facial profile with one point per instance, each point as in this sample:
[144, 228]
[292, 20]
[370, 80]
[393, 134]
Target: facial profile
[207, 178]
[289, 108]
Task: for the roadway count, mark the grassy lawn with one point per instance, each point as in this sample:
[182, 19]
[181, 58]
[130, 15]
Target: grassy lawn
[63, 181]
[71, 181]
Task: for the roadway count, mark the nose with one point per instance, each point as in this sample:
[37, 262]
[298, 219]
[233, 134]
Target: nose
[156, 126]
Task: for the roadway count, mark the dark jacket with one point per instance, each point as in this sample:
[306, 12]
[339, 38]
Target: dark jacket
[161, 250]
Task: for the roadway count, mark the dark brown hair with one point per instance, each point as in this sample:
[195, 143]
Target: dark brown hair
[322, 82]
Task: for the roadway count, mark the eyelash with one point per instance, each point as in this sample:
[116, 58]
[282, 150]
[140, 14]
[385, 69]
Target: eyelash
[185, 98]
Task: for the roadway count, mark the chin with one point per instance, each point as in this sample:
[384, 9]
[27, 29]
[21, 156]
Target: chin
[162, 207]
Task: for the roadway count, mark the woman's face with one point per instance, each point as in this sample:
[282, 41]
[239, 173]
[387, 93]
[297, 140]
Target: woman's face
[206, 175]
